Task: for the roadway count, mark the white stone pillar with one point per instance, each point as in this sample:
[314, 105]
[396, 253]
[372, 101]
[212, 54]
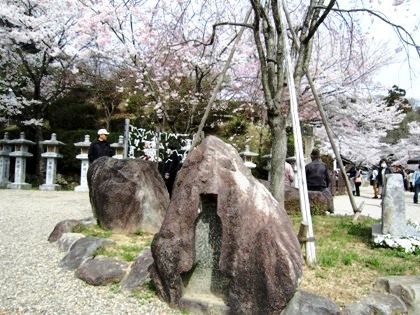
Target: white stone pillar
[5, 149]
[51, 155]
[118, 148]
[21, 154]
[83, 156]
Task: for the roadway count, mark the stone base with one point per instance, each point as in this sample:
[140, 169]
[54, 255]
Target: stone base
[4, 184]
[81, 188]
[50, 187]
[409, 231]
[376, 230]
[199, 304]
[19, 186]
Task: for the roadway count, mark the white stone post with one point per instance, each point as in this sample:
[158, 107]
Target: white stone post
[83, 156]
[118, 148]
[51, 155]
[5, 149]
[21, 154]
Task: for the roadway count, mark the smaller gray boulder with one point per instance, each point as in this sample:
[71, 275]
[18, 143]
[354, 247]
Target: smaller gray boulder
[81, 251]
[306, 303]
[61, 227]
[102, 271]
[139, 272]
[67, 240]
[67, 226]
[407, 288]
[376, 303]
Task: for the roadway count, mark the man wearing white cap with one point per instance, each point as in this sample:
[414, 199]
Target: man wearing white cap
[100, 147]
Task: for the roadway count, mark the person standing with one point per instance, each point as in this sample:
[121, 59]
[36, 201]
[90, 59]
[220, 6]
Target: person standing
[317, 176]
[410, 181]
[358, 181]
[374, 183]
[416, 185]
[381, 178]
[352, 176]
[100, 146]
[289, 174]
[399, 170]
[171, 167]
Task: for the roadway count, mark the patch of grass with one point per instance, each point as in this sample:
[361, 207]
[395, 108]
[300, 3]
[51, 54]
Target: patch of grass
[115, 288]
[145, 292]
[330, 257]
[130, 252]
[92, 230]
[320, 275]
[127, 252]
[126, 247]
[347, 263]
[139, 233]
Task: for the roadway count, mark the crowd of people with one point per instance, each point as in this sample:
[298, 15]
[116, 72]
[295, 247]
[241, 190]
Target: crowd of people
[377, 179]
[318, 179]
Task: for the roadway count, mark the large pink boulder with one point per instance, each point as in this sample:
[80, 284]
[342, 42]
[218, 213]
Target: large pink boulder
[225, 246]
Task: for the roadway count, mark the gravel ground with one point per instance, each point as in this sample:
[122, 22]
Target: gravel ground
[31, 281]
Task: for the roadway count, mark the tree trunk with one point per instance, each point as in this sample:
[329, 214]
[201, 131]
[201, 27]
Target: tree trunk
[278, 156]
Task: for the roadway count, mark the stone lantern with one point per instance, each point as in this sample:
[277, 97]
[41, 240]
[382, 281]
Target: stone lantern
[118, 148]
[21, 153]
[5, 149]
[247, 157]
[83, 156]
[51, 154]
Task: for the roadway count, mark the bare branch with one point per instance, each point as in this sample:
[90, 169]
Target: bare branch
[400, 30]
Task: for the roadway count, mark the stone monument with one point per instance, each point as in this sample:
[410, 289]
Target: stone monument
[394, 220]
[225, 246]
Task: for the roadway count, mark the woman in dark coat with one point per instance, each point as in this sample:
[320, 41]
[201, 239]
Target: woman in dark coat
[381, 178]
[171, 167]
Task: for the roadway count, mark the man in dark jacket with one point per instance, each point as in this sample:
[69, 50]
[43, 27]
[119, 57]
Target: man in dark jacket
[317, 177]
[100, 147]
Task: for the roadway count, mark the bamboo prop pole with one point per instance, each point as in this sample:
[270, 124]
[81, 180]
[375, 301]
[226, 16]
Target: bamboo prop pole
[356, 210]
[303, 189]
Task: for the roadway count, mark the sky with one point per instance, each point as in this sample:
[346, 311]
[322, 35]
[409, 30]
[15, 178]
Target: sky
[407, 14]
